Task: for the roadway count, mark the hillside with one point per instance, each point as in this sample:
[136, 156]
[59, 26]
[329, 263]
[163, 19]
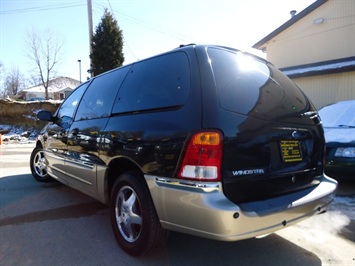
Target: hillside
[22, 116]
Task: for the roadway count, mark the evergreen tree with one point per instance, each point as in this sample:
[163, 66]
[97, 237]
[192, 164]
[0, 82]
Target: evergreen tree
[106, 45]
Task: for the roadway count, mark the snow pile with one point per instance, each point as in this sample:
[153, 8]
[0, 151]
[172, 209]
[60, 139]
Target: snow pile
[16, 134]
[18, 120]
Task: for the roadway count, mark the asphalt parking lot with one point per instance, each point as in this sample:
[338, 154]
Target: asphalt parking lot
[51, 224]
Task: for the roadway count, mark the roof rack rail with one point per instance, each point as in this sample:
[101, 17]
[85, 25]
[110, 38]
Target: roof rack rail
[184, 45]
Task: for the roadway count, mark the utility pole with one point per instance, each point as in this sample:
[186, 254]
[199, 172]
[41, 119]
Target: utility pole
[91, 31]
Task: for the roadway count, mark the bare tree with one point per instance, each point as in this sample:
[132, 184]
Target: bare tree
[2, 70]
[44, 51]
[14, 82]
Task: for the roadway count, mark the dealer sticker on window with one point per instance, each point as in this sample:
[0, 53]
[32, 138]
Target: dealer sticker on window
[290, 150]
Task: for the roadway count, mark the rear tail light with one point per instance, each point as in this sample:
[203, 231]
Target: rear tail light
[203, 157]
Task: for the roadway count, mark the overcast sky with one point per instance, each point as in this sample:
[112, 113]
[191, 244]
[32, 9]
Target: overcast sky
[149, 27]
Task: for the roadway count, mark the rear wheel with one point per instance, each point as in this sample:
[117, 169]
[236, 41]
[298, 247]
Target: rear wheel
[38, 165]
[133, 217]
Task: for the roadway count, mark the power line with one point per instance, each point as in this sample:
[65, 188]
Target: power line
[156, 28]
[43, 8]
[113, 14]
[109, 5]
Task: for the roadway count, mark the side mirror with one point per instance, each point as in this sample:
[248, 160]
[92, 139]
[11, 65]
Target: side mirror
[44, 116]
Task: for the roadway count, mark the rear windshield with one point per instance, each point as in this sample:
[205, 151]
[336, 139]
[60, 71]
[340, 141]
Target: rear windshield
[250, 86]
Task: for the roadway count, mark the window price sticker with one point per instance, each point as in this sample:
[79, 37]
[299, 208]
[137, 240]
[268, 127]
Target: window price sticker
[290, 150]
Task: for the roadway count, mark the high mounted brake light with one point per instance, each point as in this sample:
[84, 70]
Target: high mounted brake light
[203, 157]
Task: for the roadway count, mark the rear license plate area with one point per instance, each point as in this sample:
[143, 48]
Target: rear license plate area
[290, 151]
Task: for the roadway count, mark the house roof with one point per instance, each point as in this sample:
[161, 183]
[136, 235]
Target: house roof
[290, 22]
[321, 68]
[55, 85]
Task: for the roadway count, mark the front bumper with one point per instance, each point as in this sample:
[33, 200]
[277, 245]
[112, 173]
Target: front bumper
[202, 209]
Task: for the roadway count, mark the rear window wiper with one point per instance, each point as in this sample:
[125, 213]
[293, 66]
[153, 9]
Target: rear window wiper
[347, 126]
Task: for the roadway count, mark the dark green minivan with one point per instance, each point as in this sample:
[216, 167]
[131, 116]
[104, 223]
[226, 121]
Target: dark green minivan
[203, 140]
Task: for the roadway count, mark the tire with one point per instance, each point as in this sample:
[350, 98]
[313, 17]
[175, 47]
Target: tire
[133, 217]
[38, 165]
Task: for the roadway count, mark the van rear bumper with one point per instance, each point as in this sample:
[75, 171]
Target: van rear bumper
[202, 210]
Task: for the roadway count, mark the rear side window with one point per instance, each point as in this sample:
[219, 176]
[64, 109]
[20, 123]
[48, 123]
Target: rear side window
[159, 82]
[98, 98]
[253, 87]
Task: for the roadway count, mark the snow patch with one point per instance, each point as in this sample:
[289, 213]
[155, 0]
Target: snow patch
[320, 228]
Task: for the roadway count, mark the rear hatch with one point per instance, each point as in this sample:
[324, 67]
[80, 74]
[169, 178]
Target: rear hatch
[273, 140]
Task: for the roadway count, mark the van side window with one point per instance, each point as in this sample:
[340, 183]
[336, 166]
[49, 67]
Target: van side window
[159, 82]
[66, 111]
[98, 99]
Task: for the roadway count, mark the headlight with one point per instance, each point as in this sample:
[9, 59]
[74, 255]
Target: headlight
[345, 152]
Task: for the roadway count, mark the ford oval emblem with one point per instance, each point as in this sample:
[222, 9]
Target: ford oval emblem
[296, 134]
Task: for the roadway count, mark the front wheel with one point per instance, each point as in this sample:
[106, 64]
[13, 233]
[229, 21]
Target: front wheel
[38, 165]
[133, 217]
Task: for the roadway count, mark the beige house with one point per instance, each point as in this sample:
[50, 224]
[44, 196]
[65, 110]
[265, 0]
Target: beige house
[316, 49]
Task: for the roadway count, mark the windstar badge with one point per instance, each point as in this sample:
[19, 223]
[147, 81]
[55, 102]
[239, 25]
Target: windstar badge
[248, 172]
